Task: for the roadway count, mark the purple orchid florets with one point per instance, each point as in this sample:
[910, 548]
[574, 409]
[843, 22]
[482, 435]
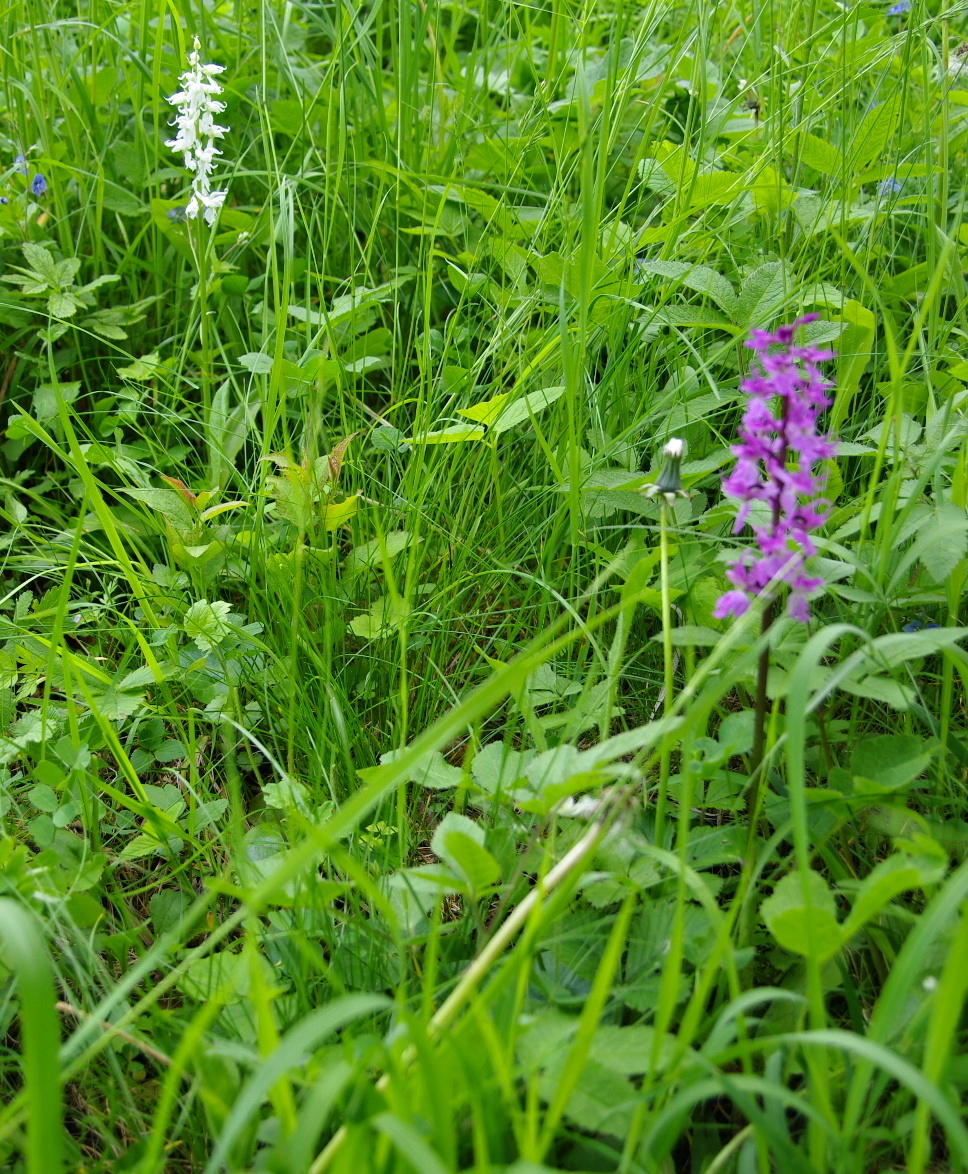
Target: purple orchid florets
[776, 456]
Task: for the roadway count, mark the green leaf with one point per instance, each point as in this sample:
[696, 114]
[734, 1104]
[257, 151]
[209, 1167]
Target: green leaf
[943, 543]
[876, 687]
[895, 648]
[227, 975]
[168, 503]
[42, 262]
[166, 908]
[820, 155]
[381, 620]
[497, 768]
[121, 200]
[715, 189]
[204, 623]
[871, 138]
[459, 842]
[897, 874]
[764, 293]
[502, 413]
[692, 636]
[431, 771]
[697, 277]
[62, 305]
[890, 761]
[257, 362]
[803, 919]
[378, 551]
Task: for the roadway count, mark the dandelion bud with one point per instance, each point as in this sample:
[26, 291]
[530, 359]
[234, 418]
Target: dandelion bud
[669, 481]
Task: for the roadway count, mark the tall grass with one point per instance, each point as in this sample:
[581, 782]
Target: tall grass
[335, 809]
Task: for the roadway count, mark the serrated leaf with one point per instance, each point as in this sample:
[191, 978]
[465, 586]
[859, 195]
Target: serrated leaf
[204, 623]
[697, 277]
[62, 305]
[820, 155]
[764, 293]
[871, 137]
[41, 261]
[944, 542]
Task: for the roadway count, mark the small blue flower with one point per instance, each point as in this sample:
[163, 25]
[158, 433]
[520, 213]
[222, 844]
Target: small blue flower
[20, 164]
[887, 187]
[899, 8]
[177, 215]
[38, 185]
[3, 199]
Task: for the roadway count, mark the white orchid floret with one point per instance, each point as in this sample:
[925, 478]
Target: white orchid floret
[197, 131]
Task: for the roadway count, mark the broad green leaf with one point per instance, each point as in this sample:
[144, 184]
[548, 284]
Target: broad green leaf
[257, 362]
[62, 305]
[497, 768]
[715, 189]
[692, 636]
[897, 647]
[854, 348]
[42, 262]
[891, 761]
[121, 200]
[943, 542]
[510, 412]
[820, 155]
[166, 909]
[378, 551]
[381, 620]
[459, 842]
[204, 623]
[338, 513]
[764, 293]
[226, 975]
[770, 191]
[877, 687]
[698, 277]
[897, 874]
[432, 771]
[456, 434]
[147, 367]
[871, 138]
[804, 923]
[166, 502]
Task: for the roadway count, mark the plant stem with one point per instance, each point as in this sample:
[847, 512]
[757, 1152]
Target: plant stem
[668, 666]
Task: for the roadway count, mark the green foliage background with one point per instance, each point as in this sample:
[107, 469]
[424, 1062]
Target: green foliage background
[332, 715]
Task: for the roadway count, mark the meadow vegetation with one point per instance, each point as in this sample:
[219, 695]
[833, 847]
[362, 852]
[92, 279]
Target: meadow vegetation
[383, 787]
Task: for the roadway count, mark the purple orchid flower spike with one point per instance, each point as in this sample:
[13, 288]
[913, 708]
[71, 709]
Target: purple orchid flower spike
[777, 454]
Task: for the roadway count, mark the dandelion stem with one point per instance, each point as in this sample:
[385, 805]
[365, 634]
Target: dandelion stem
[668, 666]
